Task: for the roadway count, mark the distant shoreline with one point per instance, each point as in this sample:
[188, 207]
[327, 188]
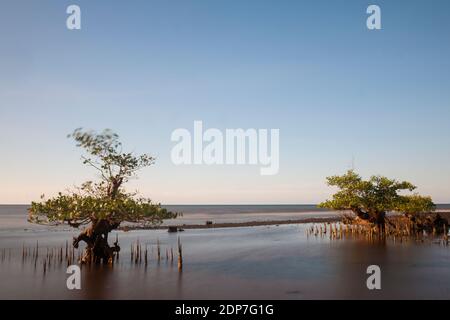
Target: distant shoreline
[444, 213]
[236, 224]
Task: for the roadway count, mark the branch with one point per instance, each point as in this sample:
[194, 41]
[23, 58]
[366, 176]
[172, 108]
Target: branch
[92, 164]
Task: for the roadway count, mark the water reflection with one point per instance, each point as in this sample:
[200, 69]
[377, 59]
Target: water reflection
[242, 263]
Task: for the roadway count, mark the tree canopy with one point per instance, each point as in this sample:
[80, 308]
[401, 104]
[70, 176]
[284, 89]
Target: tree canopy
[106, 198]
[372, 199]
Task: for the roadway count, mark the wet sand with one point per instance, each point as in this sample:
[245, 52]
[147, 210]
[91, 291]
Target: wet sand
[213, 225]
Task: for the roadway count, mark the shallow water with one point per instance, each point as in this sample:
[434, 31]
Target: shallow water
[13, 217]
[266, 262]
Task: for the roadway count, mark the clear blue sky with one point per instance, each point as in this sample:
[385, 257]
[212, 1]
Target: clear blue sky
[144, 68]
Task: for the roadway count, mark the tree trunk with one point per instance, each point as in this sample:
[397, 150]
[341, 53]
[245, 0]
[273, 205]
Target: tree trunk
[361, 214]
[114, 187]
[380, 221]
[96, 238]
[376, 218]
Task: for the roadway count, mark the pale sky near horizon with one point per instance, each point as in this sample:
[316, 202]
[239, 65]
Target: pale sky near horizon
[309, 68]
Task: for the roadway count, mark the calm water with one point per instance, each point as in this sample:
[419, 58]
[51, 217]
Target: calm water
[13, 217]
[259, 262]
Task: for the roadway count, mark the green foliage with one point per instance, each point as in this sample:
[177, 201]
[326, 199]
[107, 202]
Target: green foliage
[77, 210]
[105, 199]
[374, 197]
[416, 204]
[104, 153]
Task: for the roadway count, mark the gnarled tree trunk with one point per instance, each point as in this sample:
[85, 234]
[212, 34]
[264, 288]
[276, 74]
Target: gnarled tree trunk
[96, 238]
[376, 218]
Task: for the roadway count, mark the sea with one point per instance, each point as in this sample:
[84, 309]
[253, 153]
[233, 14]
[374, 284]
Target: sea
[261, 262]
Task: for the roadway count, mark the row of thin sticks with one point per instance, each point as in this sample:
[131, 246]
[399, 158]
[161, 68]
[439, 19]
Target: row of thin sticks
[139, 253]
[56, 256]
[47, 257]
[337, 230]
[340, 230]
